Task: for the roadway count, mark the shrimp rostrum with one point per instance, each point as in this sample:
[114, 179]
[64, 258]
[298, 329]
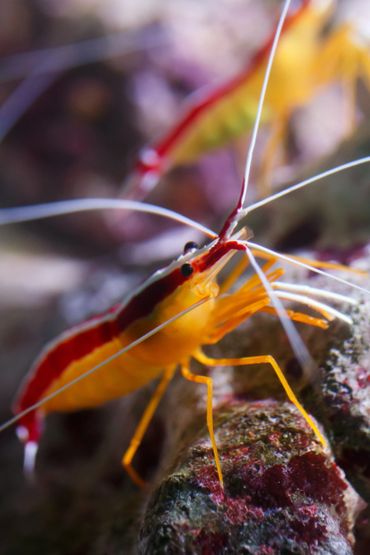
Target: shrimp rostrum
[164, 324]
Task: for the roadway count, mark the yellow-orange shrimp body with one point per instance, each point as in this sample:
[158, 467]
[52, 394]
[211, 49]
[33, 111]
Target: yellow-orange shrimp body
[142, 364]
[159, 327]
[189, 283]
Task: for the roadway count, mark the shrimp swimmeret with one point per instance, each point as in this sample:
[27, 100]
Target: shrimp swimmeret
[164, 324]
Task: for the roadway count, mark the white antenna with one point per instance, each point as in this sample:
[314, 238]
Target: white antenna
[236, 214]
[252, 145]
[297, 262]
[50, 209]
[305, 182]
[299, 348]
[84, 375]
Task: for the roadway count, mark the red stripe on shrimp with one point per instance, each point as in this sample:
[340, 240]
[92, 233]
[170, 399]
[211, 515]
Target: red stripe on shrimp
[82, 341]
[153, 159]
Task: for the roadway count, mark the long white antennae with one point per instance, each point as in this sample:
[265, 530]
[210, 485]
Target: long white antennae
[304, 265]
[238, 212]
[313, 303]
[307, 289]
[306, 182]
[81, 377]
[261, 100]
[299, 348]
[48, 210]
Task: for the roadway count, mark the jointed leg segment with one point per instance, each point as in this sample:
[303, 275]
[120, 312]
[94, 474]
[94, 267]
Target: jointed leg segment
[267, 359]
[143, 426]
[209, 383]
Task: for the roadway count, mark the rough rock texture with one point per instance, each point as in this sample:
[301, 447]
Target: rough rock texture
[180, 512]
[82, 502]
[342, 400]
[282, 494]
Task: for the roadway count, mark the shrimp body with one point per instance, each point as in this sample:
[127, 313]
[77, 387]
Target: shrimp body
[345, 57]
[162, 326]
[215, 116]
[164, 295]
[306, 61]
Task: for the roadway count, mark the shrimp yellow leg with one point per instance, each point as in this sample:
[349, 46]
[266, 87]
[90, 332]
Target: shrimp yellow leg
[209, 383]
[237, 271]
[143, 426]
[267, 359]
[234, 275]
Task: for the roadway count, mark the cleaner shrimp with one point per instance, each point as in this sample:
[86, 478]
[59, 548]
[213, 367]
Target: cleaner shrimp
[164, 323]
[216, 116]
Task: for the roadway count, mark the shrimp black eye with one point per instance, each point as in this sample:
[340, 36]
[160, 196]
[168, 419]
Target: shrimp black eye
[190, 246]
[187, 270]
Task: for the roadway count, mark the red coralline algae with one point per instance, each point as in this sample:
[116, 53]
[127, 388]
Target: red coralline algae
[308, 530]
[312, 475]
[208, 480]
[278, 497]
[209, 543]
[341, 398]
